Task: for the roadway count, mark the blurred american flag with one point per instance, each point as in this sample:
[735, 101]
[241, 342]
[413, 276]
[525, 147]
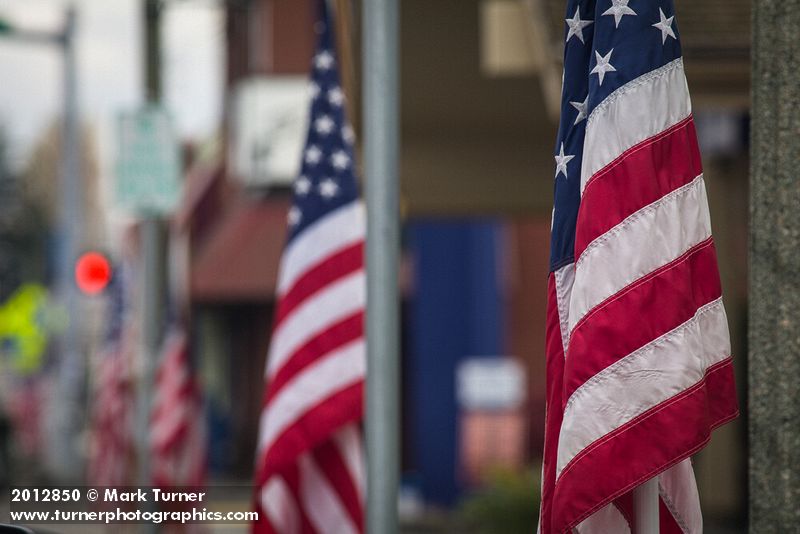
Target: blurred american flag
[178, 431]
[309, 459]
[112, 445]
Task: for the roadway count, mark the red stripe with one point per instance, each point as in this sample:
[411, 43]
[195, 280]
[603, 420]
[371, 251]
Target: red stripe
[313, 428]
[667, 523]
[330, 269]
[651, 443]
[639, 177]
[261, 524]
[330, 462]
[554, 351]
[182, 429]
[188, 400]
[641, 313]
[348, 329]
[624, 504]
[292, 478]
[639, 281]
[168, 397]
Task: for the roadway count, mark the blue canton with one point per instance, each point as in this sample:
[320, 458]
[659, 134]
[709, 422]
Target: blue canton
[116, 311]
[608, 43]
[327, 178]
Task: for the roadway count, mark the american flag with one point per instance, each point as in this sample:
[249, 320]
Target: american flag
[638, 354]
[177, 425]
[309, 457]
[112, 445]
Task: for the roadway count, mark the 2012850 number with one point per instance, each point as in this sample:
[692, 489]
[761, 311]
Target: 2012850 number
[45, 495]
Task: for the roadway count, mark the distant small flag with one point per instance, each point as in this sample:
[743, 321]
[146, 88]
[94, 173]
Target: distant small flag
[112, 445]
[178, 432]
[639, 368]
[309, 458]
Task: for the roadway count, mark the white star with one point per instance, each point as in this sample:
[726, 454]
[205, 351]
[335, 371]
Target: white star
[340, 160]
[313, 155]
[313, 90]
[323, 60]
[619, 8]
[324, 125]
[328, 188]
[302, 186]
[348, 134]
[603, 65]
[561, 162]
[582, 109]
[294, 216]
[576, 25]
[665, 26]
[336, 96]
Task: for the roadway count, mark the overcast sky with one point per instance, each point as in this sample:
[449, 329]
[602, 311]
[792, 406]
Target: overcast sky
[110, 70]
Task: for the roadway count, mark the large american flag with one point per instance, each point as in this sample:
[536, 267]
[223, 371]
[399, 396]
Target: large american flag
[309, 460]
[112, 444]
[638, 353]
[178, 433]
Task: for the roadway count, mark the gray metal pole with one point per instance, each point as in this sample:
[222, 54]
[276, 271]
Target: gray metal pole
[64, 413]
[774, 315]
[153, 257]
[152, 50]
[65, 457]
[153, 264]
[645, 507]
[381, 149]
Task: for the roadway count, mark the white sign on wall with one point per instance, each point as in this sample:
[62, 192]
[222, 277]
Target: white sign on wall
[490, 383]
[269, 127]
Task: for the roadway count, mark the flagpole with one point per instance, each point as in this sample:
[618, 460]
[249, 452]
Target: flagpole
[381, 148]
[645, 507]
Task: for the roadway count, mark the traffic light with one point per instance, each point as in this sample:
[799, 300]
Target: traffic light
[92, 272]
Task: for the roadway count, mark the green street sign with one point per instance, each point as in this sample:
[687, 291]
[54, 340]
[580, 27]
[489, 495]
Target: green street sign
[148, 169]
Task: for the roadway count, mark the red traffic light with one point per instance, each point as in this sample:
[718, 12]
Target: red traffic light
[92, 272]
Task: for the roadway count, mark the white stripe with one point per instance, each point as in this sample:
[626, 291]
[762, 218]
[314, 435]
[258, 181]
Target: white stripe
[633, 113]
[280, 507]
[606, 520]
[678, 490]
[541, 486]
[170, 404]
[565, 279]
[645, 241]
[169, 421]
[170, 387]
[317, 313]
[191, 462]
[643, 379]
[334, 372]
[321, 503]
[348, 441]
[333, 232]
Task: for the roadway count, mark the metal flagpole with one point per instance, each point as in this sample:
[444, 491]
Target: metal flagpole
[62, 454]
[65, 414]
[645, 507]
[71, 370]
[153, 253]
[381, 148]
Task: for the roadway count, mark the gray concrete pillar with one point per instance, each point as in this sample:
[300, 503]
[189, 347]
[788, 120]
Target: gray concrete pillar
[774, 338]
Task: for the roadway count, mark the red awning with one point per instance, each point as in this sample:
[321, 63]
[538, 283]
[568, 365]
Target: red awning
[239, 261]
